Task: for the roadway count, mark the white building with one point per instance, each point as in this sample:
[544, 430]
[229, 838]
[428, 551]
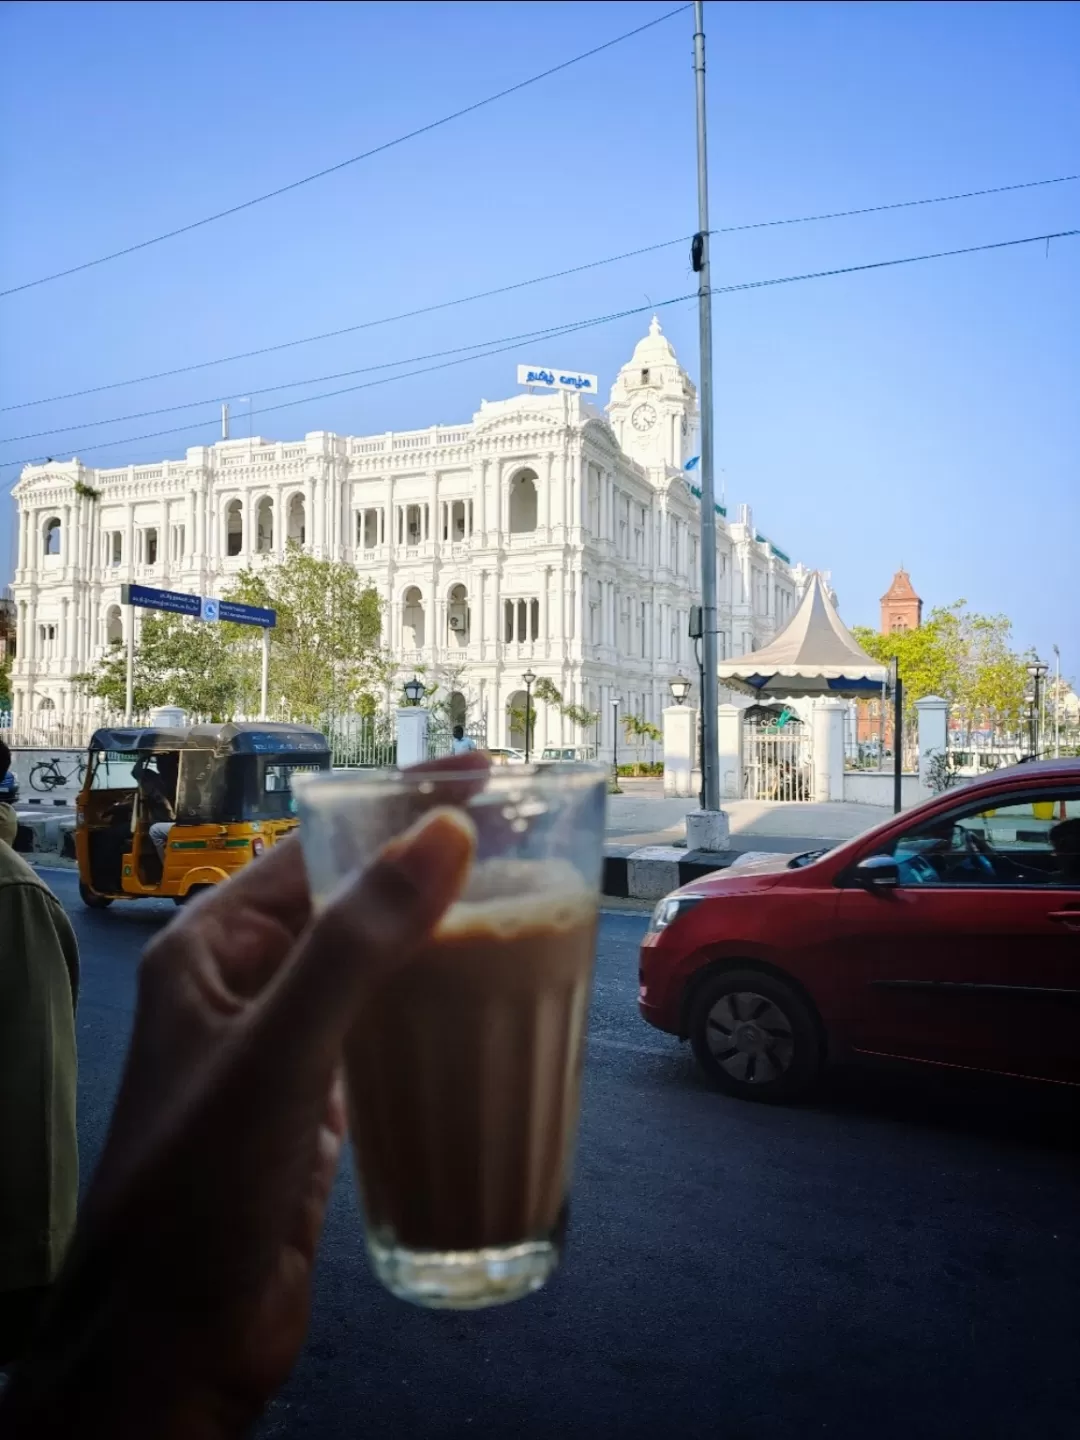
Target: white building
[538, 536]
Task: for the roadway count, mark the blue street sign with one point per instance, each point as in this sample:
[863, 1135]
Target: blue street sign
[200, 607]
[244, 614]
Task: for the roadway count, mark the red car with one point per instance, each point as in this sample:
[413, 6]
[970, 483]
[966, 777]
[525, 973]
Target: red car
[949, 935]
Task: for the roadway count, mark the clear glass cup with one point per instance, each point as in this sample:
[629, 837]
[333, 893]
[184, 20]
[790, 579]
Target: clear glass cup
[464, 1068]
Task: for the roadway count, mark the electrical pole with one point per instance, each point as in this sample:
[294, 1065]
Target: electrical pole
[710, 751]
[1057, 702]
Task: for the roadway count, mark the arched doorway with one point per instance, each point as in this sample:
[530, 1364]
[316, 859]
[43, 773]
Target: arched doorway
[297, 531]
[52, 537]
[234, 527]
[264, 526]
[515, 720]
[457, 708]
[523, 503]
[412, 619]
[114, 626]
[457, 617]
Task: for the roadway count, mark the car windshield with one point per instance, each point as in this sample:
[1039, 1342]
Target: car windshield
[808, 857]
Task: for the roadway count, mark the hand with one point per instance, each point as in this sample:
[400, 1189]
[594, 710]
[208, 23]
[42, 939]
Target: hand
[185, 1300]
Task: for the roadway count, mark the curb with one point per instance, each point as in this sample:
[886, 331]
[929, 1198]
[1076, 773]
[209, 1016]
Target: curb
[652, 871]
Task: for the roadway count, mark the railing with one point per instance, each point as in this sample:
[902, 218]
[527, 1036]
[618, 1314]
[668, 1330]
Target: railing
[361, 740]
[778, 763]
[441, 736]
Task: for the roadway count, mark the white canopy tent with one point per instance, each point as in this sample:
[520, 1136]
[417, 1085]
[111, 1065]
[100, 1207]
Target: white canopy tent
[815, 656]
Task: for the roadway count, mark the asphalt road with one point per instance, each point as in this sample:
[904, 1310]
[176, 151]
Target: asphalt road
[899, 1257]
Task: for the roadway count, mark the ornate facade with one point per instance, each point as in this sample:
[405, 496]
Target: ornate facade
[540, 535]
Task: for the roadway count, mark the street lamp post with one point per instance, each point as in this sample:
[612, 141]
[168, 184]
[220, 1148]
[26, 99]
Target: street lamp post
[530, 680]
[680, 688]
[1037, 670]
[1057, 701]
[615, 702]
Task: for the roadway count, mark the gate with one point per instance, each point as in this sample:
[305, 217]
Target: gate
[441, 736]
[361, 740]
[778, 763]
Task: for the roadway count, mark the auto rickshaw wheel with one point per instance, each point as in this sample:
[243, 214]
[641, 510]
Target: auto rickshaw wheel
[92, 900]
[192, 894]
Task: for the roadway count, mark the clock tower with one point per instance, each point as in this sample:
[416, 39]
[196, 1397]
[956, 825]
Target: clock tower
[653, 406]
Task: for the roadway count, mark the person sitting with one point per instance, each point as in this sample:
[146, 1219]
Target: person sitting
[157, 794]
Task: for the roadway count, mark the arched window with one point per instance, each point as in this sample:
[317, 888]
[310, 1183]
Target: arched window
[297, 532]
[264, 525]
[46, 706]
[52, 542]
[523, 503]
[114, 626]
[234, 527]
[412, 619]
[457, 707]
[457, 616]
[515, 720]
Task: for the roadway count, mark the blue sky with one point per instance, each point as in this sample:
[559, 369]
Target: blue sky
[926, 415]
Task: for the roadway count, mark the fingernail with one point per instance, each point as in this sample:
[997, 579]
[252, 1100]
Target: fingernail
[437, 851]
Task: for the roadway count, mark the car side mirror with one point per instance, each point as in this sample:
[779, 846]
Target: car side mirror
[877, 872]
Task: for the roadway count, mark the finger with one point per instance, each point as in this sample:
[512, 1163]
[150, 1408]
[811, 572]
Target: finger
[370, 927]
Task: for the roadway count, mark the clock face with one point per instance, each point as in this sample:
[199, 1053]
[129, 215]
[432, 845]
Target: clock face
[643, 418]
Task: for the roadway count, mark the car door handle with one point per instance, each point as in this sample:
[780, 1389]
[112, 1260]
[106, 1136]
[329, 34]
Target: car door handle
[1069, 918]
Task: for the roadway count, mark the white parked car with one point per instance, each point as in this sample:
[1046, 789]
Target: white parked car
[506, 755]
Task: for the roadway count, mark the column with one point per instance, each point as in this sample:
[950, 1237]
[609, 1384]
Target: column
[932, 735]
[65, 637]
[545, 611]
[309, 513]
[66, 550]
[412, 730]
[129, 542]
[730, 735]
[22, 539]
[828, 723]
[544, 515]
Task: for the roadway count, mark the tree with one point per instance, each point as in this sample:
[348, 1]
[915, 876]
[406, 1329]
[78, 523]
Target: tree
[5, 683]
[547, 691]
[178, 661]
[324, 651]
[637, 729]
[962, 656]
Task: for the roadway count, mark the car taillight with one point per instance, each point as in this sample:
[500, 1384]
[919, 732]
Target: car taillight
[257, 846]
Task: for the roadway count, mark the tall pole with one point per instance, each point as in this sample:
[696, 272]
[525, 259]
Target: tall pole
[265, 679]
[129, 689]
[710, 739]
[1057, 701]
[897, 686]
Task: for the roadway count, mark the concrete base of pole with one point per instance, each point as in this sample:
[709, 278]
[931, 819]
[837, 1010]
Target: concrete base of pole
[707, 830]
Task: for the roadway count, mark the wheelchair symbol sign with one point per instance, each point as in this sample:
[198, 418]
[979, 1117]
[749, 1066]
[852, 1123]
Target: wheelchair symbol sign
[208, 610]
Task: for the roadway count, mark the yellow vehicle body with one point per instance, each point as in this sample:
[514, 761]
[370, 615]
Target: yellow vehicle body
[232, 802]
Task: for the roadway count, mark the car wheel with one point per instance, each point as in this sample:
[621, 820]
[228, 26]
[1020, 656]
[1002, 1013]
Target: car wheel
[93, 901]
[755, 1036]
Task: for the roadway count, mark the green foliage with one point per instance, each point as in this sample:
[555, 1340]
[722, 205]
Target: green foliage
[962, 656]
[5, 683]
[178, 661]
[81, 488]
[547, 691]
[324, 651]
[324, 655]
[637, 729]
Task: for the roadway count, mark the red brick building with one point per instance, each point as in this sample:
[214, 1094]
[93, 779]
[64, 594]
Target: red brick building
[901, 609]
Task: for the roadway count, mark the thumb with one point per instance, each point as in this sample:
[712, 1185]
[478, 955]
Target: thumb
[371, 925]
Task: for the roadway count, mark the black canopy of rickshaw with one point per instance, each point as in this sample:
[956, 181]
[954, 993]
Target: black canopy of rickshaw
[232, 738]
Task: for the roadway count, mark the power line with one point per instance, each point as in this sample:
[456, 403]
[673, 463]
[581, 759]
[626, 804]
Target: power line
[551, 333]
[570, 328]
[524, 284]
[353, 160]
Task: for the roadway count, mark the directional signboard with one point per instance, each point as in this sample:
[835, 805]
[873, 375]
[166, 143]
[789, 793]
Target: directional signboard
[198, 606]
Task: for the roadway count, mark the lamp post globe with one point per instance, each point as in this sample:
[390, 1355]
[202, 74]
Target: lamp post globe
[680, 689]
[529, 680]
[414, 690]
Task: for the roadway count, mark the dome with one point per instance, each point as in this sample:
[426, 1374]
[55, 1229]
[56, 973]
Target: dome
[654, 348]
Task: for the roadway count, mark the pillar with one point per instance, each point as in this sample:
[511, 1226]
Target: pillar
[828, 722]
[932, 734]
[412, 735]
[679, 726]
[730, 734]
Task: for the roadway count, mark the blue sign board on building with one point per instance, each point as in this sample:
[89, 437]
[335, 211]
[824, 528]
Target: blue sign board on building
[200, 607]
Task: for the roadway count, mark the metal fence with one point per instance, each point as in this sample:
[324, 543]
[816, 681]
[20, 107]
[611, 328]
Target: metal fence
[778, 763]
[361, 741]
[441, 735]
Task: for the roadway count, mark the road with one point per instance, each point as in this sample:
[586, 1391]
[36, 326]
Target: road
[899, 1257]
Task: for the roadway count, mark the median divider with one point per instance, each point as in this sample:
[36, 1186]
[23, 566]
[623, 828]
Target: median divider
[650, 872]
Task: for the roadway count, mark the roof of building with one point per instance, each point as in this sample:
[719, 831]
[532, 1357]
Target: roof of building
[815, 654]
[654, 348]
[901, 588]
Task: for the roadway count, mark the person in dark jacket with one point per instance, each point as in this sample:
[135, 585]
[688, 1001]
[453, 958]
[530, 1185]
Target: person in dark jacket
[39, 1169]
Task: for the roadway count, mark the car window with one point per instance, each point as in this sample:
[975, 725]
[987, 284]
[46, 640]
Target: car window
[1022, 841]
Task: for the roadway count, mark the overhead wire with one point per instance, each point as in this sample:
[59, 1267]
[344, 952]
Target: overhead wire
[502, 346]
[352, 160]
[535, 280]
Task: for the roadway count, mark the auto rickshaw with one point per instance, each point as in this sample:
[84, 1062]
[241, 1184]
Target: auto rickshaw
[215, 797]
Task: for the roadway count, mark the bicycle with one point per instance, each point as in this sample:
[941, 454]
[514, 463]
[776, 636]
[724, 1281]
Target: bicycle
[46, 775]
